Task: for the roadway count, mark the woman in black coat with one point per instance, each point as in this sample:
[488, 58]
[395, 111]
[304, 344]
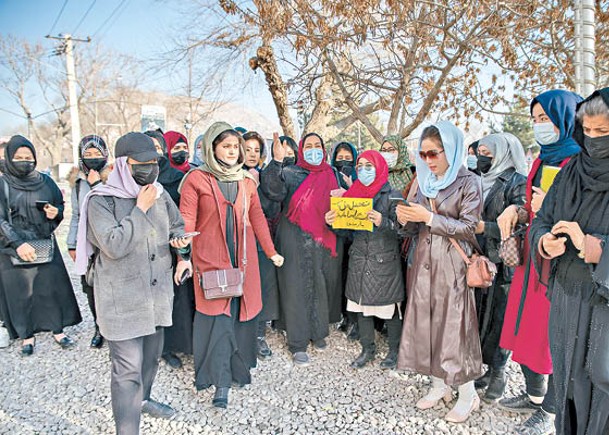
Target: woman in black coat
[502, 165]
[37, 297]
[375, 283]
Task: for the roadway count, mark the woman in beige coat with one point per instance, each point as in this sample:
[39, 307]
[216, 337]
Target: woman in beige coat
[440, 334]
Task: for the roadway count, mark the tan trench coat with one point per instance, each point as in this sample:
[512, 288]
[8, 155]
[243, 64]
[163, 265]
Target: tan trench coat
[440, 332]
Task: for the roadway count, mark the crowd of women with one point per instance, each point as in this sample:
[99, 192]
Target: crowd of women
[201, 257]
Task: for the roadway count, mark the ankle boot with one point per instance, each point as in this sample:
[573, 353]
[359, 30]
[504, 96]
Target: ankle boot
[391, 360]
[368, 354]
[483, 381]
[97, 341]
[220, 399]
[496, 386]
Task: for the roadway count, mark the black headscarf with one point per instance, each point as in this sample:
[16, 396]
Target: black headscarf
[158, 136]
[33, 180]
[584, 187]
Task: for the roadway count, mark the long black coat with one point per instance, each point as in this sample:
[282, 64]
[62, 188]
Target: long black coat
[375, 275]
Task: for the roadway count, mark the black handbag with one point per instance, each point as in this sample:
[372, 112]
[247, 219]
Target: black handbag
[45, 248]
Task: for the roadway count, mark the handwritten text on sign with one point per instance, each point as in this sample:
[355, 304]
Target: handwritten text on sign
[352, 213]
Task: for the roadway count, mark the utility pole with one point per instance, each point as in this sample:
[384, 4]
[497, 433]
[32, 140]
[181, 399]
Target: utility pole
[585, 71]
[67, 48]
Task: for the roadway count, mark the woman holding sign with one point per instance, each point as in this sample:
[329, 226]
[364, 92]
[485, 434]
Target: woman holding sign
[375, 286]
[525, 327]
[440, 335]
[310, 280]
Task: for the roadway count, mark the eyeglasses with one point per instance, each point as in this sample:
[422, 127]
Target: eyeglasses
[431, 154]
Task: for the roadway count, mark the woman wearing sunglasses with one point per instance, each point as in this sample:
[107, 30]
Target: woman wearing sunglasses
[440, 333]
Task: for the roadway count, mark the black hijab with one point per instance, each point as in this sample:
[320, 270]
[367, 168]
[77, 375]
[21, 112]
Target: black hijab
[167, 174]
[584, 187]
[33, 180]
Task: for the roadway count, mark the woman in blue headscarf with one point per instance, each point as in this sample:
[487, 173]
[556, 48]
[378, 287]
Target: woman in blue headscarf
[525, 326]
[440, 333]
[344, 156]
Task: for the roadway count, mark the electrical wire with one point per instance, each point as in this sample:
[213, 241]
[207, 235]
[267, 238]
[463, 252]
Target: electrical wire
[109, 17]
[83, 17]
[58, 17]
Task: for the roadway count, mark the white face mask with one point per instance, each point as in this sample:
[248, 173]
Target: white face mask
[472, 162]
[545, 134]
[390, 158]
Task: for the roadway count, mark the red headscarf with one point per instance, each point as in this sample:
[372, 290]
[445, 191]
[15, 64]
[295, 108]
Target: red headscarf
[358, 190]
[311, 201]
[172, 138]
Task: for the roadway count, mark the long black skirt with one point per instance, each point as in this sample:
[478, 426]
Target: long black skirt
[269, 287]
[309, 286]
[37, 298]
[178, 337]
[224, 349]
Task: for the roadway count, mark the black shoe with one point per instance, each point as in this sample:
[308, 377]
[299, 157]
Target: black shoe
[496, 387]
[264, 351]
[343, 325]
[391, 360]
[157, 409]
[97, 341]
[220, 399]
[519, 404]
[66, 342]
[27, 349]
[368, 354]
[540, 423]
[320, 344]
[483, 381]
[172, 360]
[353, 332]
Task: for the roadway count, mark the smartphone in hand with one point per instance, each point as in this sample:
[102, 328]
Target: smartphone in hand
[400, 201]
[41, 204]
[185, 236]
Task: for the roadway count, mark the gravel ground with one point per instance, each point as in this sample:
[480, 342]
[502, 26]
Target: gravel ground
[59, 391]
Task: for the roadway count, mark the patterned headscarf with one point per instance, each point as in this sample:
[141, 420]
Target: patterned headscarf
[401, 174]
[91, 141]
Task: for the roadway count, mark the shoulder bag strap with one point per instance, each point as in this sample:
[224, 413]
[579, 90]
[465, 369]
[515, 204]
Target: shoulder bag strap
[458, 247]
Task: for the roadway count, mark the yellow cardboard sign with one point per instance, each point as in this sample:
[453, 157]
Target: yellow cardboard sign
[352, 213]
[548, 175]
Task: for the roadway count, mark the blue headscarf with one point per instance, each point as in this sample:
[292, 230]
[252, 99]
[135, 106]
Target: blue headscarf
[452, 141]
[560, 106]
[196, 161]
[353, 152]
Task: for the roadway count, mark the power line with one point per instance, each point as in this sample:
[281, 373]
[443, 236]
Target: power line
[83, 17]
[58, 17]
[109, 17]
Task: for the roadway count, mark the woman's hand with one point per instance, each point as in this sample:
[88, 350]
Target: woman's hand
[279, 149]
[182, 266]
[507, 221]
[51, 211]
[26, 252]
[180, 242]
[553, 246]
[412, 213]
[537, 200]
[375, 217]
[93, 177]
[480, 227]
[573, 230]
[330, 217]
[72, 254]
[348, 180]
[277, 260]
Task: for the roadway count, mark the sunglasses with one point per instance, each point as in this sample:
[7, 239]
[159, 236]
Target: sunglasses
[431, 154]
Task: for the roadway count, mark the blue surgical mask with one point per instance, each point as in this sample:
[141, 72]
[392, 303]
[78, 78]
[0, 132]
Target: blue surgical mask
[545, 134]
[314, 156]
[472, 162]
[366, 175]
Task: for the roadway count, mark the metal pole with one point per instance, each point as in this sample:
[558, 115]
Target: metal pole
[74, 117]
[585, 71]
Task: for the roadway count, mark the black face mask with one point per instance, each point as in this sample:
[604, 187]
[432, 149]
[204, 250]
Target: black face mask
[597, 147]
[484, 164]
[24, 168]
[287, 161]
[344, 166]
[179, 157]
[145, 173]
[96, 164]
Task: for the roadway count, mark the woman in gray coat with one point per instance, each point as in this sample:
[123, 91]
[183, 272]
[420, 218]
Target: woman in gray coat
[440, 334]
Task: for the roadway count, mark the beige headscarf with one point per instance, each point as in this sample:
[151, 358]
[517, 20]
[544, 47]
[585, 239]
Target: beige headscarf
[211, 165]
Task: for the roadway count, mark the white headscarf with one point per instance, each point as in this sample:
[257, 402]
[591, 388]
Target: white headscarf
[507, 153]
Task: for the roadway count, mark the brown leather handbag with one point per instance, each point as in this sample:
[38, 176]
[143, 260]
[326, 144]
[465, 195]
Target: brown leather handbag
[510, 250]
[226, 283]
[480, 270]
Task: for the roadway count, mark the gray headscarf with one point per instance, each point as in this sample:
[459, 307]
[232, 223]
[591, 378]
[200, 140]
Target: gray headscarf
[507, 153]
